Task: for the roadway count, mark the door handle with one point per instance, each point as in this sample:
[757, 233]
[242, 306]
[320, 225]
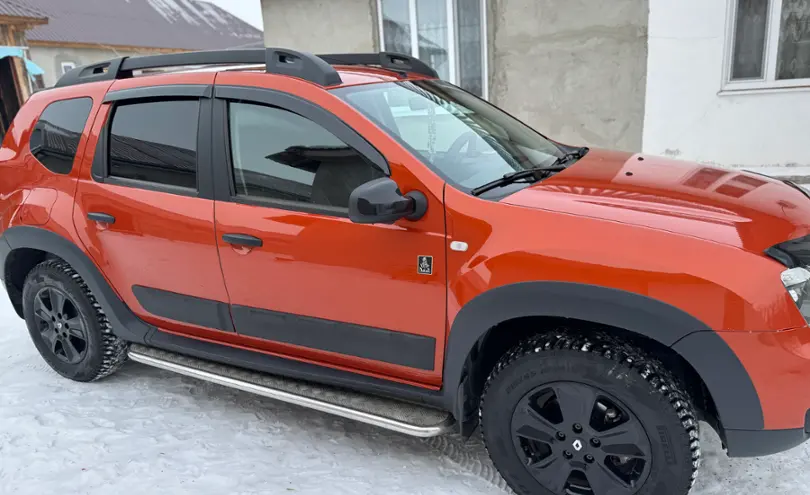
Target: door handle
[242, 240]
[101, 217]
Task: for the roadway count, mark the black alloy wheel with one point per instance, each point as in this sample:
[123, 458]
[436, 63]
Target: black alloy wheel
[60, 324]
[68, 325]
[574, 437]
[575, 413]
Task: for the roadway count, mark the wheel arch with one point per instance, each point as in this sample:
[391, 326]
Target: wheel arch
[24, 247]
[500, 314]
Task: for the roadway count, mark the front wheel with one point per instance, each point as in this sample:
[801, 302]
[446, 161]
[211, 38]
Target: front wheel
[588, 415]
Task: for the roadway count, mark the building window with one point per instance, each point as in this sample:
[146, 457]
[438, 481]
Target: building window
[769, 44]
[67, 67]
[449, 35]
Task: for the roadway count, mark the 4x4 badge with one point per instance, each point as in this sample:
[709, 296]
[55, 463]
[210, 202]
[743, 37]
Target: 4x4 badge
[424, 265]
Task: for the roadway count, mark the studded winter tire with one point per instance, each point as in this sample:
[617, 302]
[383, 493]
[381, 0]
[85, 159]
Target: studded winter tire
[571, 414]
[67, 324]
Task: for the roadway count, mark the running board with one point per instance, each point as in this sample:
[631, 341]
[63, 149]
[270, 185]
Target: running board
[403, 417]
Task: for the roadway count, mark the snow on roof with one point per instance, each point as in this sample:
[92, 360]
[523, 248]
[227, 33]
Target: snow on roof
[15, 8]
[181, 24]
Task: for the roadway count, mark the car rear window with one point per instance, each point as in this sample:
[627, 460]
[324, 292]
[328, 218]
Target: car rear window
[56, 136]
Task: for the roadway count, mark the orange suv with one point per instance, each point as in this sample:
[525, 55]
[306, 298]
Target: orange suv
[352, 234]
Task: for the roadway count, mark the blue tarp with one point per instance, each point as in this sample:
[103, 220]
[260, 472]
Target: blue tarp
[9, 51]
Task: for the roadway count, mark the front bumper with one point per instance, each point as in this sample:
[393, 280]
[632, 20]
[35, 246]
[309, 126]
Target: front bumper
[778, 364]
[753, 443]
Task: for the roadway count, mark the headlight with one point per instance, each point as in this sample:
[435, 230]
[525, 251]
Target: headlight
[796, 281]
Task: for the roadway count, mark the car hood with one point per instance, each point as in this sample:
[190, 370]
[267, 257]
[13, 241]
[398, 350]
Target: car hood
[733, 207]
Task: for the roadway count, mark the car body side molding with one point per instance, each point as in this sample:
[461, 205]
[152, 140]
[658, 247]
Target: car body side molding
[126, 324]
[731, 388]
[379, 344]
[182, 307]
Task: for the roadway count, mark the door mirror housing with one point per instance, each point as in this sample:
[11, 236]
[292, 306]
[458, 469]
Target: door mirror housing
[379, 201]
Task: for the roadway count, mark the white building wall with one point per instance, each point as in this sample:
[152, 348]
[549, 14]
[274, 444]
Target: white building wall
[51, 58]
[688, 116]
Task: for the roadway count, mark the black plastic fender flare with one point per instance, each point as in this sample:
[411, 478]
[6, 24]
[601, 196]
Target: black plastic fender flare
[124, 322]
[731, 388]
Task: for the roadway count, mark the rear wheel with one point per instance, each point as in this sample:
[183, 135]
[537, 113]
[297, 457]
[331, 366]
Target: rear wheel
[67, 325]
[588, 415]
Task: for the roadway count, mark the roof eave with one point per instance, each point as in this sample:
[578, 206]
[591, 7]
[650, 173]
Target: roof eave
[78, 44]
[21, 20]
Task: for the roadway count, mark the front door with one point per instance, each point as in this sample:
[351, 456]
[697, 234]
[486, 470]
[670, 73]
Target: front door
[144, 206]
[304, 281]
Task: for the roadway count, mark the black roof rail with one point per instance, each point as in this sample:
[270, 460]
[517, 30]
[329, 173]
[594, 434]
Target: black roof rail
[387, 60]
[102, 71]
[314, 68]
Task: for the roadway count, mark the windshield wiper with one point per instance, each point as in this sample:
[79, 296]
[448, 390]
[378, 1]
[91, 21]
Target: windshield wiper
[571, 155]
[538, 173]
[512, 177]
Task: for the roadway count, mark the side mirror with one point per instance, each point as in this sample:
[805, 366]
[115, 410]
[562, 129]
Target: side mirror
[380, 201]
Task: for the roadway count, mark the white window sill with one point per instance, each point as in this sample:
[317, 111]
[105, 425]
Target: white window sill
[765, 87]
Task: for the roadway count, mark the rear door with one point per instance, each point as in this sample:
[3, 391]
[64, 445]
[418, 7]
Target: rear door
[304, 281]
[144, 206]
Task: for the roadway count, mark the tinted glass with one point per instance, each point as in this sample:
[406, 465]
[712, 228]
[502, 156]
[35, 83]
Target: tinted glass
[55, 140]
[749, 39]
[156, 142]
[280, 155]
[463, 138]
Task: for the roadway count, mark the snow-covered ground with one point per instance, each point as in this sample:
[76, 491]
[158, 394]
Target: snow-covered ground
[148, 431]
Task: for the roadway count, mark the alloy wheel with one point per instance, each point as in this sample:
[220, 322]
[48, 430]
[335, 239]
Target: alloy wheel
[60, 324]
[575, 439]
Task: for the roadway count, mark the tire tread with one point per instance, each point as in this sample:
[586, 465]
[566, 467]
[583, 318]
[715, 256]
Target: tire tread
[622, 353]
[114, 349]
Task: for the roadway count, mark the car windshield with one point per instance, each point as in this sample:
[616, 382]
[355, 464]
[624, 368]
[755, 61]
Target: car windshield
[463, 138]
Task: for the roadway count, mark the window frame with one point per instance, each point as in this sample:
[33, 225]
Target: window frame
[100, 170]
[452, 30]
[67, 66]
[223, 175]
[767, 83]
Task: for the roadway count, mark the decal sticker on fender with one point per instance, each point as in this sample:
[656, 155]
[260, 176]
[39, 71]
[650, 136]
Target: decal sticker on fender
[424, 265]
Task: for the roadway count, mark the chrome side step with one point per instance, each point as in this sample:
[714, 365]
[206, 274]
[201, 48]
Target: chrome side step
[402, 417]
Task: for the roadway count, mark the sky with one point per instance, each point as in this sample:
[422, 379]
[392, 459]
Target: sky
[248, 10]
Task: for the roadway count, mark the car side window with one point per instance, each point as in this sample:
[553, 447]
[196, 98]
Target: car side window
[56, 136]
[278, 154]
[156, 142]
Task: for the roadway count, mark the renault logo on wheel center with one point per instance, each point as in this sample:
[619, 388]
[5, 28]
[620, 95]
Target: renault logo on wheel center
[577, 445]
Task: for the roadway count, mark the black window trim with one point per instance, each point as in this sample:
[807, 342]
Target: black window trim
[199, 92]
[167, 91]
[224, 189]
[87, 121]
